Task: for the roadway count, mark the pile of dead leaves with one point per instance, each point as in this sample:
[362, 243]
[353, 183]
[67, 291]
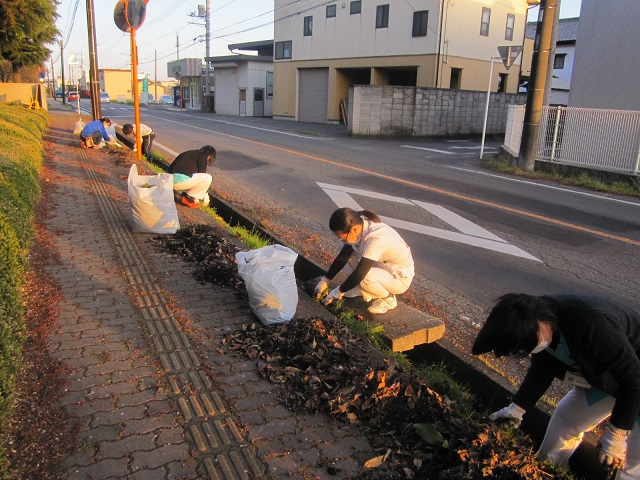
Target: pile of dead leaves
[321, 366]
[212, 254]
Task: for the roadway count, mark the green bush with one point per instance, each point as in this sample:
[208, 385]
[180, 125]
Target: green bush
[20, 162]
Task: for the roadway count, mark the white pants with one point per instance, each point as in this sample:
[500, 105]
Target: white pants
[197, 186]
[379, 283]
[572, 417]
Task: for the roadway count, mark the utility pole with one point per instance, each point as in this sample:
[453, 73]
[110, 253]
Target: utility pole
[552, 53]
[94, 82]
[207, 26]
[155, 75]
[64, 100]
[537, 81]
[177, 46]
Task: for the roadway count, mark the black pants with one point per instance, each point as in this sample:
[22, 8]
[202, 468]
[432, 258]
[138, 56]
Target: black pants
[95, 136]
[147, 143]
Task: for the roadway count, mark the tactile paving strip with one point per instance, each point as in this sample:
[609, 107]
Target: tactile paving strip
[221, 450]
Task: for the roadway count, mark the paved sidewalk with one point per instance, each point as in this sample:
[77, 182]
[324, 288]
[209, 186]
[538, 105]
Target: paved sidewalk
[153, 390]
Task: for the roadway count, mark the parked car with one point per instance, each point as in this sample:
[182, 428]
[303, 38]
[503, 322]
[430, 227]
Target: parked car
[166, 100]
[104, 97]
[73, 96]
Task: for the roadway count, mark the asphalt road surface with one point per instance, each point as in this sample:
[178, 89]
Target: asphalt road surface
[477, 233]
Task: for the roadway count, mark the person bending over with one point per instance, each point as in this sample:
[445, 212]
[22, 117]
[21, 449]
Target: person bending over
[385, 267]
[591, 343]
[146, 135]
[94, 132]
[189, 170]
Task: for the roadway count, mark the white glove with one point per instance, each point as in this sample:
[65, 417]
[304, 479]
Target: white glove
[613, 447]
[512, 413]
[323, 285]
[334, 294]
[119, 145]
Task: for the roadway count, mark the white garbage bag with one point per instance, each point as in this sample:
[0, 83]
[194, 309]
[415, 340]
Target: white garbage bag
[271, 283]
[152, 205]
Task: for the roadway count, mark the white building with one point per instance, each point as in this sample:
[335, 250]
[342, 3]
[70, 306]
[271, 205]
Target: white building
[322, 48]
[244, 83]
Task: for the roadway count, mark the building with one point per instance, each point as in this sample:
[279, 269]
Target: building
[117, 83]
[188, 71]
[322, 50]
[565, 52]
[606, 70]
[244, 83]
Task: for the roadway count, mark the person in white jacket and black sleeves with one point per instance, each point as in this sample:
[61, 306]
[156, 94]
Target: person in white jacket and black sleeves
[589, 342]
[384, 262]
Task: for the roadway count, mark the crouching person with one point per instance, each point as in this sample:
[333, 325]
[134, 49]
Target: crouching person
[94, 132]
[589, 342]
[190, 177]
[385, 266]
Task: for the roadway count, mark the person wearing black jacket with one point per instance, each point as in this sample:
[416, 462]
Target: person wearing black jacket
[589, 342]
[190, 175]
[385, 265]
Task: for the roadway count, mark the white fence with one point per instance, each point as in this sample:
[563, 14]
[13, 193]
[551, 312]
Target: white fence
[585, 137]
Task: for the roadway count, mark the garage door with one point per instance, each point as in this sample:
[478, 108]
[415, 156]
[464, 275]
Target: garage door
[313, 95]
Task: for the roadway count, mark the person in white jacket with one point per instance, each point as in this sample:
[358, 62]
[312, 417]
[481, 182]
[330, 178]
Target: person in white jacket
[146, 134]
[385, 267]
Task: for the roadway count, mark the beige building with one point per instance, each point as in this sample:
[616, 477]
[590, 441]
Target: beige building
[117, 83]
[321, 50]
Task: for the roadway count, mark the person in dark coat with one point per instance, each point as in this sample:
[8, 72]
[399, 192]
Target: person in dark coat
[590, 342]
[190, 175]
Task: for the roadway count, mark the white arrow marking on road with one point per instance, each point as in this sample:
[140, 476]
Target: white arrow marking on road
[468, 232]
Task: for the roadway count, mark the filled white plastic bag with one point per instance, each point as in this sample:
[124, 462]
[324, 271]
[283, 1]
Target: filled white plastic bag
[271, 283]
[152, 204]
[78, 127]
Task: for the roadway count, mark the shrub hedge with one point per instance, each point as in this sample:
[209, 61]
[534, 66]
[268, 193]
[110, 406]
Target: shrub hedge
[21, 155]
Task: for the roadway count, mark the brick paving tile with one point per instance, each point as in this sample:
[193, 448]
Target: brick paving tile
[124, 405]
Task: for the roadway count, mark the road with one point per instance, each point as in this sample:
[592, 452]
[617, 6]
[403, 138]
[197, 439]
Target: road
[476, 233]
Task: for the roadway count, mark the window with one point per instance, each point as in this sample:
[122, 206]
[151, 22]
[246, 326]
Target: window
[511, 20]
[382, 16]
[283, 50]
[308, 26]
[558, 60]
[484, 23]
[355, 7]
[420, 23]
[269, 84]
[502, 82]
[456, 79]
[331, 11]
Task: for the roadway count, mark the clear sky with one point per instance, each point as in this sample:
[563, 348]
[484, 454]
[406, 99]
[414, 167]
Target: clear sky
[169, 22]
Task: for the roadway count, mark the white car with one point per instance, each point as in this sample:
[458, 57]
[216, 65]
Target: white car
[104, 97]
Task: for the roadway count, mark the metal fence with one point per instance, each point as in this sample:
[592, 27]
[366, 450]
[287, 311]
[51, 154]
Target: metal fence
[585, 137]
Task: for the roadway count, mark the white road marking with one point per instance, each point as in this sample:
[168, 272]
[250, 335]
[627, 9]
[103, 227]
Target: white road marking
[429, 149]
[586, 194]
[468, 232]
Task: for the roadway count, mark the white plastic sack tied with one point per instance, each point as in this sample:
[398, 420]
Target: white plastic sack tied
[152, 204]
[271, 283]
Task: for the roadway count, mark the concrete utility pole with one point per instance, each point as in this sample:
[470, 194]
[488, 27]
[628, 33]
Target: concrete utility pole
[537, 81]
[552, 53]
[94, 81]
[64, 100]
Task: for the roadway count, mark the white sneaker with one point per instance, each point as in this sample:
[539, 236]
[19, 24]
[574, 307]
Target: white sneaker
[206, 201]
[382, 305]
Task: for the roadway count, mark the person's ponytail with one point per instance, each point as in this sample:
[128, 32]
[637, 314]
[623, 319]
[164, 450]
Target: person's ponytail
[369, 215]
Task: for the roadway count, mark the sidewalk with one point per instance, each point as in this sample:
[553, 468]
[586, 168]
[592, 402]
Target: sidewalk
[153, 390]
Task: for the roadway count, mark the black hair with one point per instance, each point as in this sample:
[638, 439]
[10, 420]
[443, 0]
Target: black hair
[127, 128]
[208, 150]
[105, 119]
[512, 326]
[343, 219]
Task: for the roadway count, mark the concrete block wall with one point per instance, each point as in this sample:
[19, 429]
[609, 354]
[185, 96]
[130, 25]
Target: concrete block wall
[417, 111]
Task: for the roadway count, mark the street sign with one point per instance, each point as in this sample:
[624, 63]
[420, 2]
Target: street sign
[509, 53]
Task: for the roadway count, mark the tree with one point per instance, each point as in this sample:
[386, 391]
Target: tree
[26, 28]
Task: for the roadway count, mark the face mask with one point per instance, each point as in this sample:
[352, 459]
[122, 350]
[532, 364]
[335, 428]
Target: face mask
[541, 346]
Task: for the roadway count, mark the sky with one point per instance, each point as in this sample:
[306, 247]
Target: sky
[169, 22]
